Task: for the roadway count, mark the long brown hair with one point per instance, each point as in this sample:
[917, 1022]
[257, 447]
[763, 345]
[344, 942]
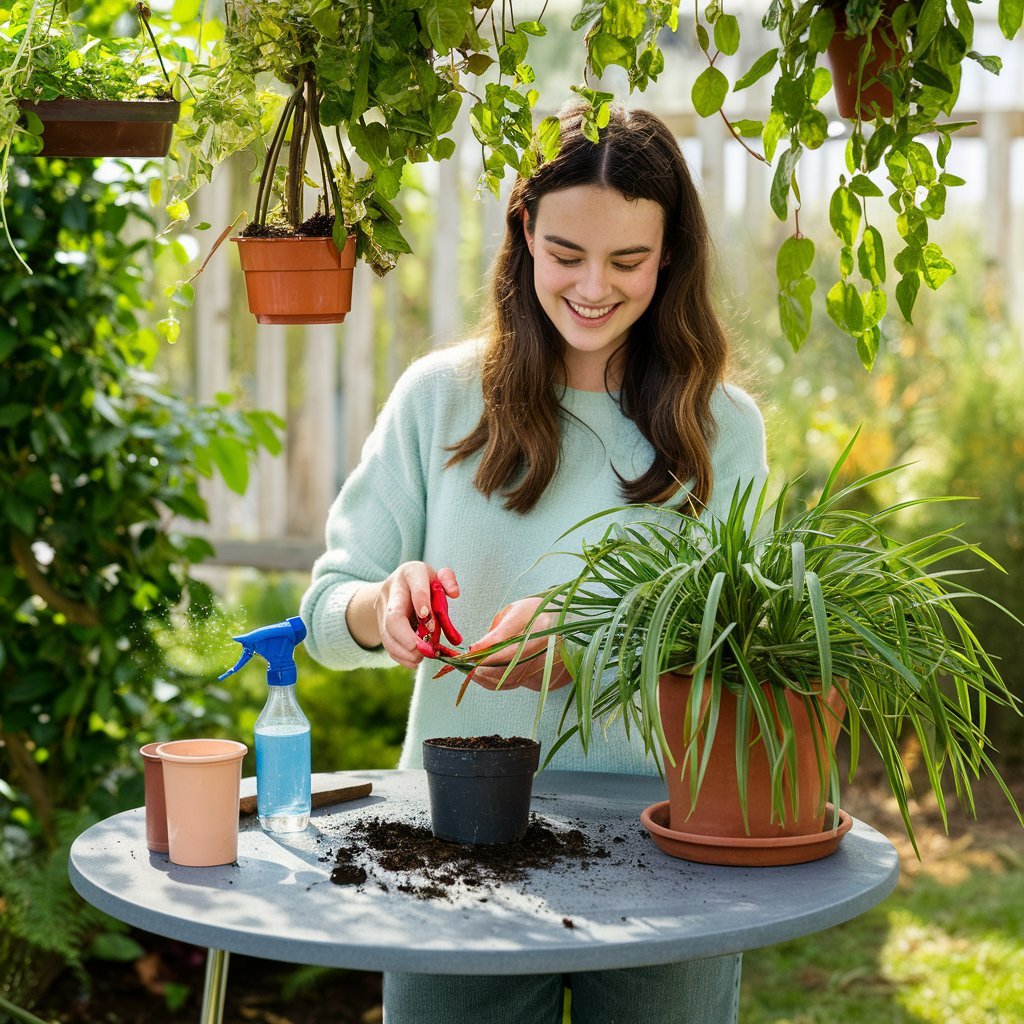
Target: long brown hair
[676, 353]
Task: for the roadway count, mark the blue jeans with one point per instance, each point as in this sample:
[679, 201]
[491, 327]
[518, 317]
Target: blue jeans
[691, 992]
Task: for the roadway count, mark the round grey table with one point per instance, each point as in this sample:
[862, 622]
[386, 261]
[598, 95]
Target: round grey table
[636, 907]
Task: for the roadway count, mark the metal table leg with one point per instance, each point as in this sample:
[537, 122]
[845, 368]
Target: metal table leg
[215, 987]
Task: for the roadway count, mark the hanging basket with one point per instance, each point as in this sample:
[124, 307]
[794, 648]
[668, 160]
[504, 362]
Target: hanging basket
[297, 280]
[100, 128]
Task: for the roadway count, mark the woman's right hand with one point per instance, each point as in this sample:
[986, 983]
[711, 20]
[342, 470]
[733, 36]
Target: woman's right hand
[387, 613]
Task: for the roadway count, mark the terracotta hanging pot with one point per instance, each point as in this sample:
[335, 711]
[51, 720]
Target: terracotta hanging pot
[297, 280]
[99, 128]
[714, 831]
[844, 58]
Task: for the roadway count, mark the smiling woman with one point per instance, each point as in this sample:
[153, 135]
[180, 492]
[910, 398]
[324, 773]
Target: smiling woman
[600, 380]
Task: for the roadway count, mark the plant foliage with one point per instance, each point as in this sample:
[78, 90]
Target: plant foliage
[99, 479]
[764, 601]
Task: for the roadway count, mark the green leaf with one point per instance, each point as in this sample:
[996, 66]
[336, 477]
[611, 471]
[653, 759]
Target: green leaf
[820, 84]
[844, 306]
[871, 256]
[864, 186]
[747, 128]
[727, 34]
[13, 413]
[445, 22]
[906, 294]
[813, 129]
[1011, 13]
[549, 137]
[875, 304]
[112, 946]
[993, 65]
[930, 17]
[709, 91]
[794, 301]
[932, 77]
[782, 182]
[844, 214]
[606, 49]
[821, 30]
[230, 457]
[793, 259]
[758, 70]
[867, 347]
[937, 269]
[774, 129]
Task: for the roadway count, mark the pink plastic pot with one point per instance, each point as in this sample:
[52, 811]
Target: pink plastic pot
[156, 806]
[201, 784]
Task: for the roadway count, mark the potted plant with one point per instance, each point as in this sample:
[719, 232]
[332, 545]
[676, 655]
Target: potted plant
[68, 93]
[480, 786]
[384, 82]
[785, 626]
[902, 87]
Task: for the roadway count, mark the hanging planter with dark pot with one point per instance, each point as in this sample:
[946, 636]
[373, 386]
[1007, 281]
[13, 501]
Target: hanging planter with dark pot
[100, 128]
[713, 830]
[844, 58]
[297, 280]
[480, 787]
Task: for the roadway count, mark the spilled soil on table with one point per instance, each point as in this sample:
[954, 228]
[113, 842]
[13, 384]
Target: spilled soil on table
[410, 857]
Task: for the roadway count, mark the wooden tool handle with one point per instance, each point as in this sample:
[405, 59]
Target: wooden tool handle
[321, 796]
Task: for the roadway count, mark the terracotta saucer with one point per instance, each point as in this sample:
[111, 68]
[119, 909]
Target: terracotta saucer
[743, 852]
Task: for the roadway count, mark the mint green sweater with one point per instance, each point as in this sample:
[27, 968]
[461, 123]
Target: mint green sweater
[401, 504]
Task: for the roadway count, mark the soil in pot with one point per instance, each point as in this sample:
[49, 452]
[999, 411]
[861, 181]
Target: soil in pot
[480, 786]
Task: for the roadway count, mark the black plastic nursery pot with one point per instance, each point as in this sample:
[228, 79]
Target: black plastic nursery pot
[480, 787]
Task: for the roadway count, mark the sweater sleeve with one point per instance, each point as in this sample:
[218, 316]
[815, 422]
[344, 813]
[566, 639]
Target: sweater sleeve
[376, 522]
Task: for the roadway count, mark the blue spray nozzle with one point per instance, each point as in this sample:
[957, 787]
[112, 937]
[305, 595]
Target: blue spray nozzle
[276, 645]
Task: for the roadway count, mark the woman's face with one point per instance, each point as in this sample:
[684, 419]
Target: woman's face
[596, 257]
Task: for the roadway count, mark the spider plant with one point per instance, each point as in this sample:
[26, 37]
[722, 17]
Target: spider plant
[762, 602]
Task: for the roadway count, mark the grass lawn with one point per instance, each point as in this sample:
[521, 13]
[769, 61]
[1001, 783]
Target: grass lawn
[947, 947]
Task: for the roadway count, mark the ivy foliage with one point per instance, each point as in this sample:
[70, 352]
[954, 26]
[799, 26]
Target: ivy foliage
[924, 44]
[99, 480]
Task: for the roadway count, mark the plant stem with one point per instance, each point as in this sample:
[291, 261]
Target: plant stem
[273, 152]
[18, 1013]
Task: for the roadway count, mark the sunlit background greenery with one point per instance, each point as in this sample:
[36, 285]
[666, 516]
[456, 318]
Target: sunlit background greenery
[945, 397]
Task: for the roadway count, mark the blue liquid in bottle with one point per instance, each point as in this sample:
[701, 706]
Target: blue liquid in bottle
[282, 771]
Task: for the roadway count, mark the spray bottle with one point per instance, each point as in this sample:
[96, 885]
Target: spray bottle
[282, 730]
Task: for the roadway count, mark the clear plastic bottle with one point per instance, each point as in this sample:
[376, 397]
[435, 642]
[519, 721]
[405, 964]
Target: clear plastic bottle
[282, 763]
[282, 730]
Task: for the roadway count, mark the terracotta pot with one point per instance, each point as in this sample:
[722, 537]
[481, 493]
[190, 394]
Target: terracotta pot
[201, 786]
[478, 795]
[297, 280]
[156, 806]
[98, 128]
[844, 57]
[718, 811]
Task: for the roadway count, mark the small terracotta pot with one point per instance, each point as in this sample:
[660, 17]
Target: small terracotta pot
[718, 811]
[156, 806]
[98, 128]
[844, 57]
[297, 280]
[480, 796]
[201, 786]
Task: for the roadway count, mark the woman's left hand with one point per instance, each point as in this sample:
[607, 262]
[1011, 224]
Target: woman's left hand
[513, 620]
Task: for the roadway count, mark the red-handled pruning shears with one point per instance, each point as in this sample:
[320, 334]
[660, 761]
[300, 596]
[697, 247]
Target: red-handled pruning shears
[428, 641]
